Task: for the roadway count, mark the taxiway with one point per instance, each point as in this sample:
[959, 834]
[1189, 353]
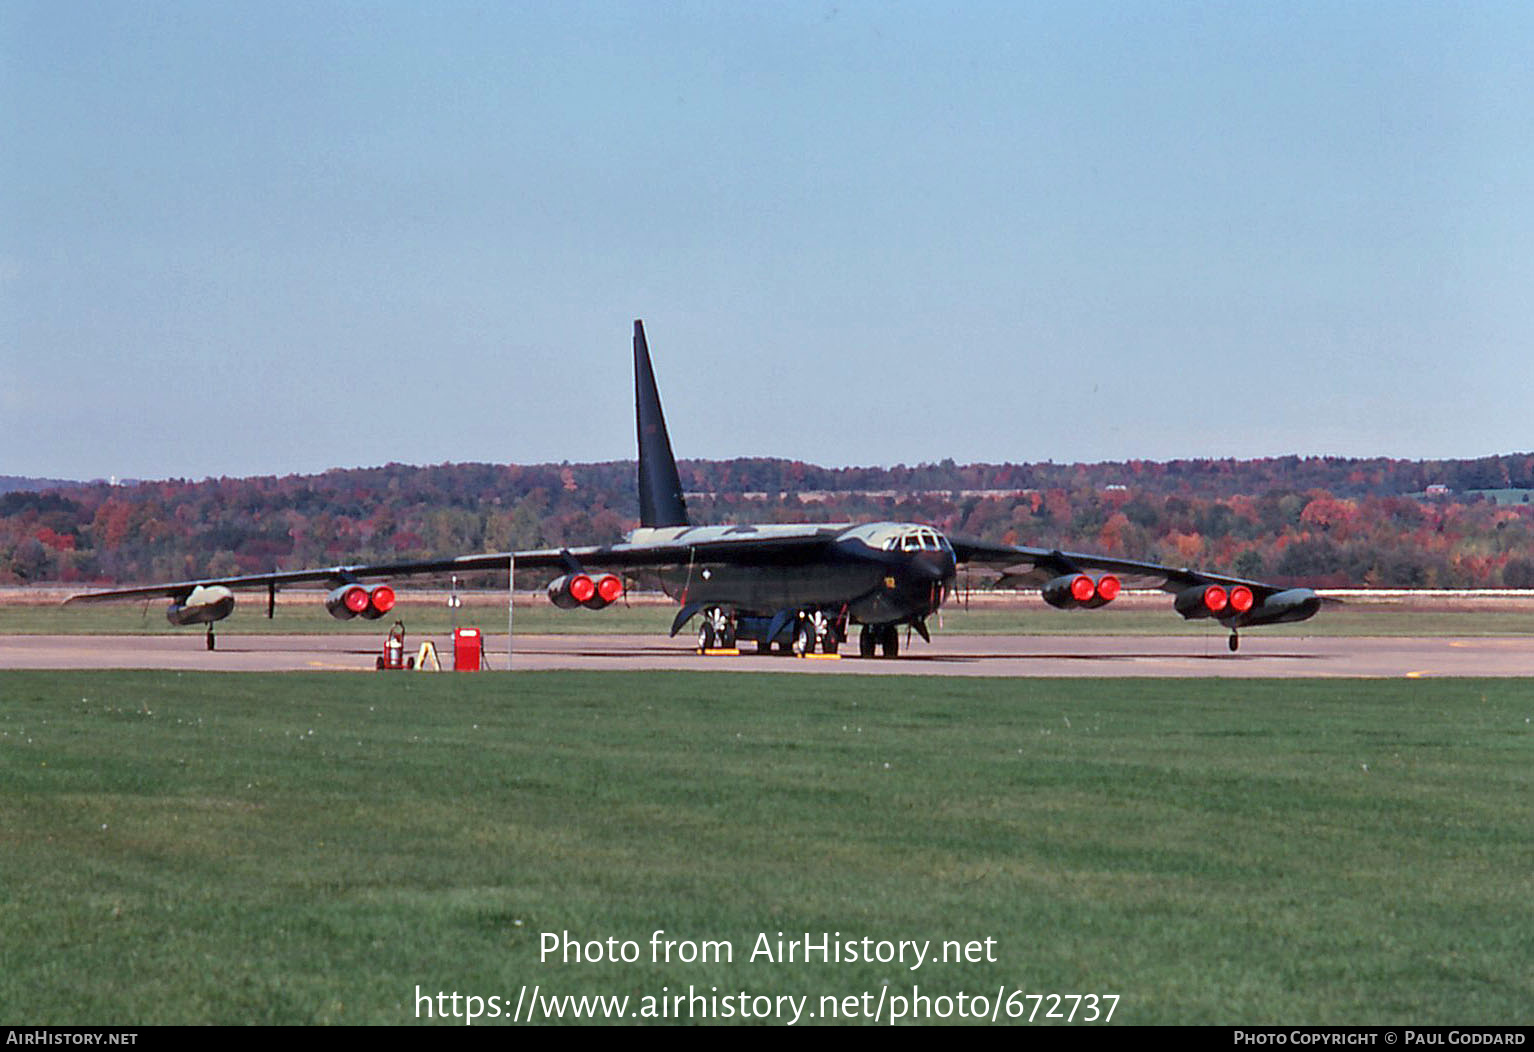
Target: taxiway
[1112, 656]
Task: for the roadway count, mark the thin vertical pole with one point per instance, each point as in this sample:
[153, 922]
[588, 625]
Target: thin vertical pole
[511, 595]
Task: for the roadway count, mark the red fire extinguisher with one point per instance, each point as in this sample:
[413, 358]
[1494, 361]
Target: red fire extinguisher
[393, 656]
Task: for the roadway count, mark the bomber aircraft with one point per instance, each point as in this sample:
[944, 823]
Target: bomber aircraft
[799, 588]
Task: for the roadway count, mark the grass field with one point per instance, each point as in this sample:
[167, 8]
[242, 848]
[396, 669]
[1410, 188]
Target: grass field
[309, 848]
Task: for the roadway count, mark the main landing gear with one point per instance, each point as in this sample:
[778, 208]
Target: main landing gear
[797, 632]
[812, 629]
[717, 632]
[210, 635]
[1235, 641]
[879, 637]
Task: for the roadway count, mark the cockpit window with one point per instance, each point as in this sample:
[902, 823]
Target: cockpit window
[921, 539]
[914, 539]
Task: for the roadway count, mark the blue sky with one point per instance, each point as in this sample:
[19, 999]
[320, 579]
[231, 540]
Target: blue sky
[266, 238]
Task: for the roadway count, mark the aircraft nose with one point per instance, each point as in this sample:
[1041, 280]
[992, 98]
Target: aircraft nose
[932, 566]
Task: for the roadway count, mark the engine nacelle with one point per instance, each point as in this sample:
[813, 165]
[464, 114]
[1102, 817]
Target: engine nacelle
[1203, 600]
[380, 601]
[1293, 604]
[569, 591]
[579, 589]
[355, 600]
[1238, 600]
[1108, 588]
[609, 588]
[202, 606]
[1077, 591]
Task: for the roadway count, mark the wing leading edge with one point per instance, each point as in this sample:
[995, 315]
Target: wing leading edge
[1235, 602]
[1035, 566]
[737, 547]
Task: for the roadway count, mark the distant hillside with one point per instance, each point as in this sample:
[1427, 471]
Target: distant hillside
[18, 483]
[1319, 520]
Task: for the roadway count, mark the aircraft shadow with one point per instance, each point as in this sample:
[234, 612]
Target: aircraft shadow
[939, 659]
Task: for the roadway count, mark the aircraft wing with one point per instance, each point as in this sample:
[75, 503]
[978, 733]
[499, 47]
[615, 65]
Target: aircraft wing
[1036, 566]
[737, 546]
[334, 575]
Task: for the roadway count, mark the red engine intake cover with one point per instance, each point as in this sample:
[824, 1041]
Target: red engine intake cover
[609, 587]
[382, 598]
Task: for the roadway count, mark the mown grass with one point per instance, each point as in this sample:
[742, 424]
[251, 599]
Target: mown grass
[297, 848]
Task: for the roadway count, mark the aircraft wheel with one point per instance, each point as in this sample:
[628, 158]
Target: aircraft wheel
[868, 643]
[829, 642]
[764, 646]
[1235, 642]
[804, 638]
[891, 641]
[210, 639]
[719, 627]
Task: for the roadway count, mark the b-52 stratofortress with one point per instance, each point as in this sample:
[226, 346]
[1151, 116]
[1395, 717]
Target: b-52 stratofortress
[798, 588]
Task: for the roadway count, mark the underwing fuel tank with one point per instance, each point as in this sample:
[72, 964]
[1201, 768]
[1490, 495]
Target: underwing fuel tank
[202, 606]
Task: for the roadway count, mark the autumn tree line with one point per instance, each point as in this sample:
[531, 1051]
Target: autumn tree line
[1320, 521]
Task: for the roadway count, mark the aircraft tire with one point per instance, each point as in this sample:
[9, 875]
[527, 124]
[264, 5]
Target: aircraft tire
[890, 641]
[868, 645]
[804, 638]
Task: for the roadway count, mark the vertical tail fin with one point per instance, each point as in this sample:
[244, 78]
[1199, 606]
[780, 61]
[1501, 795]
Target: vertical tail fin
[660, 487]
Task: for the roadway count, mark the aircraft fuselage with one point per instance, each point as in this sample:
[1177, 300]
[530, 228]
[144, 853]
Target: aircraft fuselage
[876, 574]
